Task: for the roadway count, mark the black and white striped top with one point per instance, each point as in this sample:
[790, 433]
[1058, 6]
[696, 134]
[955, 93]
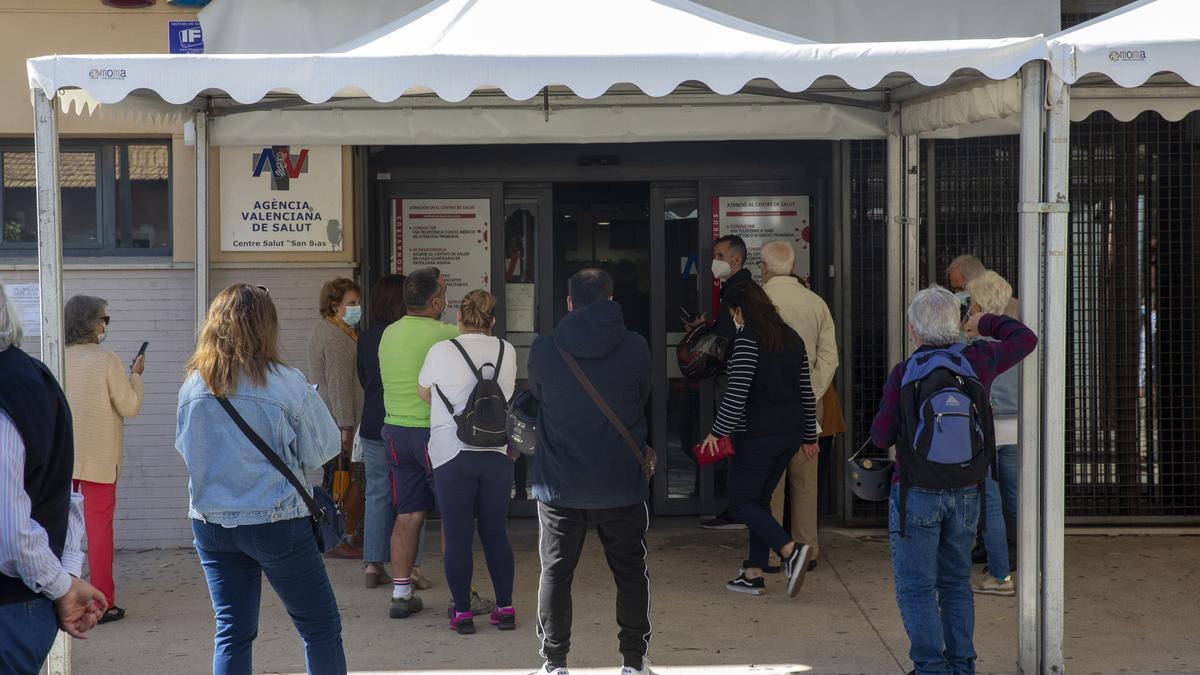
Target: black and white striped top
[741, 395]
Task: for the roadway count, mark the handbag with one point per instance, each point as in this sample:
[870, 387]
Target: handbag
[724, 449]
[647, 461]
[327, 522]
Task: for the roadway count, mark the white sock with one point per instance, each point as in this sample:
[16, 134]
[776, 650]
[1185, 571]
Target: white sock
[402, 588]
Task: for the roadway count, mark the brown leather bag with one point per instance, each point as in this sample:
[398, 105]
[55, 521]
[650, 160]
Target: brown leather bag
[348, 492]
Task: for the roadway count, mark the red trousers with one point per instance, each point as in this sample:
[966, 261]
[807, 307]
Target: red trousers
[99, 502]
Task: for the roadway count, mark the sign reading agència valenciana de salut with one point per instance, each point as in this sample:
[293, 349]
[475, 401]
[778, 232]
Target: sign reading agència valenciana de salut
[281, 198]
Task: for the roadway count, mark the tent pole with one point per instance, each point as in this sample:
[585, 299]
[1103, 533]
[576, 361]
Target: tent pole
[912, 225]
[201, 123]
[895, 235]
[1029, 281]
[50, 281]
[1054, 351]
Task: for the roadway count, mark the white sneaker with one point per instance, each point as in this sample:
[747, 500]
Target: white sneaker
[646, 669]
[547, 669]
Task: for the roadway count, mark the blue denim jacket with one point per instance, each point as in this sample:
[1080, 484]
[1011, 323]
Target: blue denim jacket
[230, 482]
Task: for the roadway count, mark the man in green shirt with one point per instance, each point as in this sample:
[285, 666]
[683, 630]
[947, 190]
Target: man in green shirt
[402, 351]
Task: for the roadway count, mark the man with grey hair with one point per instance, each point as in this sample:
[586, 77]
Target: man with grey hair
[42, 521]
[809, 316]
[962, 270]
[931, 530]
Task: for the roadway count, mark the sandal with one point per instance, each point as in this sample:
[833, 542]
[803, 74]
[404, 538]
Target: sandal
[113, 613]
[377, 579]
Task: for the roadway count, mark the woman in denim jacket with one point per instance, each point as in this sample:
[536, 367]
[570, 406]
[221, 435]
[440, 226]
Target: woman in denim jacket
[247, 518]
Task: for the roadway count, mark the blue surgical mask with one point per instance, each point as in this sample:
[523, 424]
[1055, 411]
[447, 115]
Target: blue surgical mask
[353, 315]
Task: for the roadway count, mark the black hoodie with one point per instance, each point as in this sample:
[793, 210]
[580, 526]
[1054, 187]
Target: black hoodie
[582, 461]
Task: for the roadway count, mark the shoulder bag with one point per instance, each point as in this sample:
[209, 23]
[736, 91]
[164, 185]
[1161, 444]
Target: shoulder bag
[647, 461]
[327, 521]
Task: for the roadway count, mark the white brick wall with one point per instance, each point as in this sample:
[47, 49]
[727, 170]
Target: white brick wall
[156, 305]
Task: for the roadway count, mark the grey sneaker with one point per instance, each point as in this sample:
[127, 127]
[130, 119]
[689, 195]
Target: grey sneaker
[402, 608]
[989, 585]
[479, 605]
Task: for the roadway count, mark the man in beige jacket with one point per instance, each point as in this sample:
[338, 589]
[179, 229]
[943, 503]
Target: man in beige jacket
[809, 316]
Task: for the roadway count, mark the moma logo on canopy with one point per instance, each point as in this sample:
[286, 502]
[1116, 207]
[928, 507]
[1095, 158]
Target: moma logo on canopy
[279, 162]
[1127, 55]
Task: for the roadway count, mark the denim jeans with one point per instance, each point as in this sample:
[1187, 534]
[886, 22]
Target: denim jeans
[28, 628]
[1001, 510]
[380, 513]
[932, 568]
[234, 560]
[755, 470]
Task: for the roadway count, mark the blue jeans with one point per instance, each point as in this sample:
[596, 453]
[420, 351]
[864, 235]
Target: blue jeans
[754, 471]
[28, 628]
[1001, 510]
[380, 513]
[234, 560]
[932, 568]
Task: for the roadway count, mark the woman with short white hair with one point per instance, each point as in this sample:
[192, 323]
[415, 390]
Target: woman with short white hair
[933, 317]
[991, 294]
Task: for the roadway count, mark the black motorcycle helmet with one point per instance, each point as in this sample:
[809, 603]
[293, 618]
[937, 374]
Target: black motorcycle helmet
[522, 422]
[702, 353]
[869, 478]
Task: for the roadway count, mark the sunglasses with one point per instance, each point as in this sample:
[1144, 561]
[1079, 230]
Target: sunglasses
[105, 319]
[264, 289]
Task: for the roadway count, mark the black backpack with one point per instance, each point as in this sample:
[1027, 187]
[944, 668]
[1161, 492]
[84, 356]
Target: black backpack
[484, 419]
[947, 438]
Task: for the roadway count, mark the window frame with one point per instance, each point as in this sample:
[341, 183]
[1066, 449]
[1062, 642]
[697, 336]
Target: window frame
[109, 222]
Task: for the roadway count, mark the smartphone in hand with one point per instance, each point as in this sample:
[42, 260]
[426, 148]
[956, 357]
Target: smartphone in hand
[141, 352]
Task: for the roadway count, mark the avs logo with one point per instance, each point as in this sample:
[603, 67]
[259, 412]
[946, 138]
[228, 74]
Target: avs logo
[282, 165]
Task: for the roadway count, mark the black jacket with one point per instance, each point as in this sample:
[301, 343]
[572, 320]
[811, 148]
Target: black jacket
[724, 322]
[35, 403]
[582, 461]
[372, 383]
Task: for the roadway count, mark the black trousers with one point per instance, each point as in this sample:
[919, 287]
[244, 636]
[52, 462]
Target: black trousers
[622, 531]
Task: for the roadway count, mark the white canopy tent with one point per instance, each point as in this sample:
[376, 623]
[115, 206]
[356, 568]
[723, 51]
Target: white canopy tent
[474, 50]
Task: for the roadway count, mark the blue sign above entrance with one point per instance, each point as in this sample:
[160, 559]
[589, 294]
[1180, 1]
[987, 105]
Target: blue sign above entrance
[185, 37]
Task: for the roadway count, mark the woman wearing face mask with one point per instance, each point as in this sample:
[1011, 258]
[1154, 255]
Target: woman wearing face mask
[102, 395]
[332, 367]
[770, 410]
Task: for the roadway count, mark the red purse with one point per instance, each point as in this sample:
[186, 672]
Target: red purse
[724, 449]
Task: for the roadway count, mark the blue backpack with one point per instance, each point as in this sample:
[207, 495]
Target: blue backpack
[947, 438]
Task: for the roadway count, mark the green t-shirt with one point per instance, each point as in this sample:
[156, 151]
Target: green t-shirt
[402, 352]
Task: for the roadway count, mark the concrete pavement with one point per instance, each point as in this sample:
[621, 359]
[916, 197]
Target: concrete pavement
[1131, 607]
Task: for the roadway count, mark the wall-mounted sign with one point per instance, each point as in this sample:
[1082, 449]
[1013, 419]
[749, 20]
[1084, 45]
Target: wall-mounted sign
[27, 298]
[185, 37]
[452, 235]
[281, 198]
[758, 220]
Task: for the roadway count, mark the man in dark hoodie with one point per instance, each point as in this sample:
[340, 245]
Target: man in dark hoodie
[584, 473]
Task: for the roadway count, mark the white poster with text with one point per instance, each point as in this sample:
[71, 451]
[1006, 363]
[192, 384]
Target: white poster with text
[281, 198]
[758, 220]
[452, 235]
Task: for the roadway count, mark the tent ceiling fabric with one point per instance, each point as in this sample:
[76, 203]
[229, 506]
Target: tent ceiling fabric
[1132, 44]
[455, 47]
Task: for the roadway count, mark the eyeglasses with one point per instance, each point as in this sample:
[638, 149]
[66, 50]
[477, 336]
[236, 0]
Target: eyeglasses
[105, 319]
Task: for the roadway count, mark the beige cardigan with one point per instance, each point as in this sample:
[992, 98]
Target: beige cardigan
[103, 394]
[333, 367]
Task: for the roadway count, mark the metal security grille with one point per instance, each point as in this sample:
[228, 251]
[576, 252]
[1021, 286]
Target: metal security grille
[976, 185]
[1134, 298]
[868, 334]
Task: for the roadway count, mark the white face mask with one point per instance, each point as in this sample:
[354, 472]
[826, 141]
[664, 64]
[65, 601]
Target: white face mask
[353, 315]
[721, 269]
[100, 338]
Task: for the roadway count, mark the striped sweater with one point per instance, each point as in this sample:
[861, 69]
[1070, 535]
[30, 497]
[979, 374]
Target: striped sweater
[767, 393]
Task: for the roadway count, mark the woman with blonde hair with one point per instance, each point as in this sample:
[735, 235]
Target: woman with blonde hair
[103, 393]
[247, 519]
[472, 483]
[991, 294]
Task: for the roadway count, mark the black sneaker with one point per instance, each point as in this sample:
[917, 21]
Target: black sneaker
[725, 521]
[795, 567]
[812, 564]
[750, 586]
